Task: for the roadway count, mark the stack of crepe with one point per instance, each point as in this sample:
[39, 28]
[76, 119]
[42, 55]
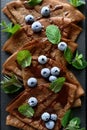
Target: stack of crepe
[66, 18]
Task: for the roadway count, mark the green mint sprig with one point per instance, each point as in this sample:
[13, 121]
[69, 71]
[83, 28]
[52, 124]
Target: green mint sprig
[34, 2]
[77, 3]
[26, 110]
[10, 84]
[53, 34]
[76, 61]
[71, 123]
[9, 28]
[24, 58]
[74, 124]
[57, 84]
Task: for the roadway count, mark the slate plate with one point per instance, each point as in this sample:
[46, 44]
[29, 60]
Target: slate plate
[81, 75]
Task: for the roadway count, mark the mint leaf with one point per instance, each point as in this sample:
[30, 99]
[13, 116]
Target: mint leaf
[66, 118]
[78, 62]
[68, 55]
[57, 85]
[74, 124]
[82, 128]
[75, 121]
[10, 84]
[3, 23]
[34, 2]
[77, 3]
[11, 89]
[78, 56]
[9, 28]
[53, 34]
[71, 124]
[24, 58]
[15, 28]
[26, 110]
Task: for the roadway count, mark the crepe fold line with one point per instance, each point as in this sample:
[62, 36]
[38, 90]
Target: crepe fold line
[45, 99]
[17, 10]
[25, 34]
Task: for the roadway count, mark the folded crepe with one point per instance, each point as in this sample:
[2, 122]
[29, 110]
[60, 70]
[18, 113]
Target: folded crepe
[25, 34]
[51, 51]
[14, 121]
[35, 71]
[11, 65]
[17, 10]
[45, 99]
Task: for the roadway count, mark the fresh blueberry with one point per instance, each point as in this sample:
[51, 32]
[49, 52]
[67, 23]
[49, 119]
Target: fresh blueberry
[45, 11]
[45, 72]
[32, 101]
[32, 82]
[50, 124]
[52, 78]
[42, 59]
[45, 116]
[36, 26]
[29, 19]
[55, 71]
[62, 46]
[53, 117]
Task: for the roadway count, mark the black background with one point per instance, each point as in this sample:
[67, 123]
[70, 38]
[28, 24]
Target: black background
[81, 75]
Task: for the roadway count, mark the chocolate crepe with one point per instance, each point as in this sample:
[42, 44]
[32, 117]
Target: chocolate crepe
[59, 103]
[17, 10]
[25, 34]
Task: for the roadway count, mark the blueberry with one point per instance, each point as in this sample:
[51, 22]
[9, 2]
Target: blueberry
[50, 124]
[45, 72]
[53, 117]
[29, 19]
[45, 116]
[36, 26]
[42, 59]
[55, 71]
[52, 78]
[62, 46]
[32, 82]
[32, 101]
[45, 11]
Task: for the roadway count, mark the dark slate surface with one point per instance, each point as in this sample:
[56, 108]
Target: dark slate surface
[81, 75]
